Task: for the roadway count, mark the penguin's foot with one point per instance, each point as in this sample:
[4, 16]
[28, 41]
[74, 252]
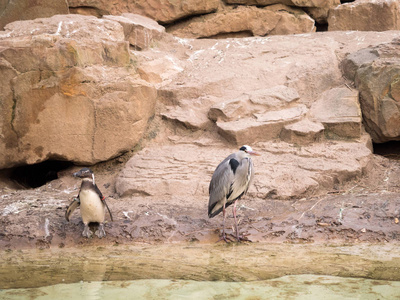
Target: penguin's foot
[86, 232]
[100, 232]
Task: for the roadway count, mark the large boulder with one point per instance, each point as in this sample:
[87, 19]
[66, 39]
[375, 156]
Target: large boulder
[141, 32]
[271, 20]
[378, 15]
[376, 72]
[15, 10]
[163, 11]
[339, 111]
[282, 171]
[69, 91]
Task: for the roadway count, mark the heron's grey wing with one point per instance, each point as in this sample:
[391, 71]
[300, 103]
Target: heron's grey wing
[220, 186]
[244, 174]
[70, 209]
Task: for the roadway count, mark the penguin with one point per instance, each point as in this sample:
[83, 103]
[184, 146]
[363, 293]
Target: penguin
[91, 202]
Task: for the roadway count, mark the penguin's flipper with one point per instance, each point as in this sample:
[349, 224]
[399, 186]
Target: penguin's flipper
[70, 209]
[109, 211]
[103, 199]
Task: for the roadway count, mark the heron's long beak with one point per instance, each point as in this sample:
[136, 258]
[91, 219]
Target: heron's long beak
[253, 153]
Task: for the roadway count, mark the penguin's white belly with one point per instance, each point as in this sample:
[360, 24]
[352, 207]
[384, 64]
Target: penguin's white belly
[92, 208]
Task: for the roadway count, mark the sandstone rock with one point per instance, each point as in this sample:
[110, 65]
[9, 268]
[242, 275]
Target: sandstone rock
[376, 71]
[215, 67]
[339, 111]
[70, 92]
[320, 13]
[262, 127]
[271, 20]
[259, 2]
[277, 96]
[139, 31]
[184, 171]
[353, 61]
[15, 10]
[230, 110]
[253, 102]
[317, 9]
[190, 113]
[302, 132]
[159, 70]
[378, 15]
[163, 11]
[299, 3]
[251, 77]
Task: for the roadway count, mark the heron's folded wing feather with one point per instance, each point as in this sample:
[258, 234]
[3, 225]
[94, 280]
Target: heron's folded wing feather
[219, 187]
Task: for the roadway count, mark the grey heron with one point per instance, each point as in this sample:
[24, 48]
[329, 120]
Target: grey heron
[230, 181]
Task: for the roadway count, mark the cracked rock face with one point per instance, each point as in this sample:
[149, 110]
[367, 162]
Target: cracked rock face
[69, 91]
[300, 116]
[376, 72]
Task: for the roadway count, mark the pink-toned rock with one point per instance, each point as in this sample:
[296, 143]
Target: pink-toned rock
[302, 132]
[163, 11]
[253, 102]
[11, 11]
[299, 3]
[378, 15]
[339, 111]
[140, 32]
[70, 92]
[271, 20]
[259, 2]
[183, 171]
[190, 113]
[261, 127]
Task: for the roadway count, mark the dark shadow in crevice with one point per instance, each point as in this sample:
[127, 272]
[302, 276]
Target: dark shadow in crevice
[321, 27]
[36, 175]
[227, 35]
[389, 150]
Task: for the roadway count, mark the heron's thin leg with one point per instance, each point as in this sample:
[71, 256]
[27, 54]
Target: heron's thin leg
[223, 236]
[236, 224]
[223, 223]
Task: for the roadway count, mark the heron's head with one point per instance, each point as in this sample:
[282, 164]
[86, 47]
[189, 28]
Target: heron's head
[84, 173]
[248, 150]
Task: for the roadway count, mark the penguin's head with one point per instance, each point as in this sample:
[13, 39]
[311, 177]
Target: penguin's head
[84, 173]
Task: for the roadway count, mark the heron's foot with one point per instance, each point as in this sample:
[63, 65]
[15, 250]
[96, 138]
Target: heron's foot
[86, 232]
[227, 238]
[100, 232]
[243, 238]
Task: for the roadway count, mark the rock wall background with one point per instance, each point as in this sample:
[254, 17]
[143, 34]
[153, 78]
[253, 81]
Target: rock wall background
[152, 95]
[108, 78]
[210, 18]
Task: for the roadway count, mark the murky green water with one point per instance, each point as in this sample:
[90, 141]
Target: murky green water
[197, 271]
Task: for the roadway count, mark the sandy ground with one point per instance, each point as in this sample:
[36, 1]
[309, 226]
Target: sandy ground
[364, 210]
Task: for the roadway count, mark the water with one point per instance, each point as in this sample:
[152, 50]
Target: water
[286, 287]
[197, 271]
